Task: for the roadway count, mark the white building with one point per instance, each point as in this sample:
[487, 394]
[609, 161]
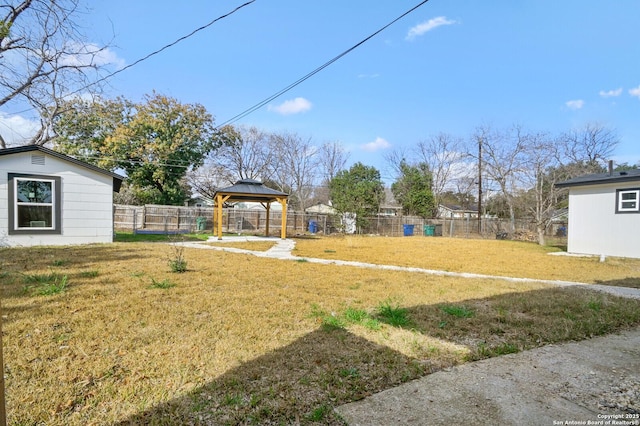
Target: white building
[604, 214]
[451, 211]
[47, 198]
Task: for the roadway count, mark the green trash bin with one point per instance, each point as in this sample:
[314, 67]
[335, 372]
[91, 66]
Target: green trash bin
[429, 230]
[201, 223]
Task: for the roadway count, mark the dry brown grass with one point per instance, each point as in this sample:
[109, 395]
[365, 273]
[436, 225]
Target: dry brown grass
[241, 339]
[492, 257]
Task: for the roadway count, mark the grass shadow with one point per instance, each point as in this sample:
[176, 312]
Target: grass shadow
[299, 383]
[631, 282]
[302, 382]
[515, 322]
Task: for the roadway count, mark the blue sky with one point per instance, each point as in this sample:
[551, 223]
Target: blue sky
[449, 66]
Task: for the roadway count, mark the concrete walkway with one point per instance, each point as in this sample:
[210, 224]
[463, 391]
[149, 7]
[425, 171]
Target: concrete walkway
[573, 383]
[283, 248]
[594, 381]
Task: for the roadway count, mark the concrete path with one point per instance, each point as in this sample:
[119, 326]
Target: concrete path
[587, 382]
[593, 382]
[282, 250]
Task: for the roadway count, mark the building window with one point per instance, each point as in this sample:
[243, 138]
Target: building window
[34, 204]
[628, 200]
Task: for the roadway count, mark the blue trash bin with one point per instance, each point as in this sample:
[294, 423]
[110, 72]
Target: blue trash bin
[408, 230]
[313, 226]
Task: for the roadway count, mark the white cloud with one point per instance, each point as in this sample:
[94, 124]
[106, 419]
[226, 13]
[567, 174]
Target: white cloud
[611, 93]
[376, 145]
[575, 104]
[376, 75]
[17, 130]
[635, 92]
[292, 106]
[426, 26]
[91, 54]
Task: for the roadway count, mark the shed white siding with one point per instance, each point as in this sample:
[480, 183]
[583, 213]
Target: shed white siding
[594, 226]
[86, 201]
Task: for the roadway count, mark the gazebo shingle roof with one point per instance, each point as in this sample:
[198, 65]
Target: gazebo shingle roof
[251, 190]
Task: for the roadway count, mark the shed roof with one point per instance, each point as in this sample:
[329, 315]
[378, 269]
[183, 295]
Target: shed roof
[117, 179]
[251, 190]
[602, 178]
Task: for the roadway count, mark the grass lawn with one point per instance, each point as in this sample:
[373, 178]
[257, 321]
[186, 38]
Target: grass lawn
[108, 334]
[491, 257]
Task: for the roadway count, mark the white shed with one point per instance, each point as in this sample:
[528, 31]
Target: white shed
[48, 198]
[604, 214]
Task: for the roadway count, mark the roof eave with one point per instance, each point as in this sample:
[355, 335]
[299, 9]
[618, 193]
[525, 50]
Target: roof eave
[617, 179]
[117, 179]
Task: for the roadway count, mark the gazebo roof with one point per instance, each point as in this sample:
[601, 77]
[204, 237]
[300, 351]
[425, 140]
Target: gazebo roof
[250, 190]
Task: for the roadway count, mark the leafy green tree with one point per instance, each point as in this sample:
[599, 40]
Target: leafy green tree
[413, 190]
[626, 167]
[84, 125]
[155, 142]
[358, 190]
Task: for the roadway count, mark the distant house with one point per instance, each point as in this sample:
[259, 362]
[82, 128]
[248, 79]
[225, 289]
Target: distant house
[389, 210]
[604, 214]
[48, 198]
[320, 208]
[199, 201]
[451, 211]
[256, 206]
[390, 207]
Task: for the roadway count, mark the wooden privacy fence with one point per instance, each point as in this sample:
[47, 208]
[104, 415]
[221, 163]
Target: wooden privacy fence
[173, 219]
[152, 218]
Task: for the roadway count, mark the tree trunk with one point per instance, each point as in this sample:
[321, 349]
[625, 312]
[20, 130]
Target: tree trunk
[540, 228]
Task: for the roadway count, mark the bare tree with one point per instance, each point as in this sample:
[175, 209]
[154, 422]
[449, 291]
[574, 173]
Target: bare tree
[208, 179]
[297, 167]
[502, 160]
[591, 145]
[445, 156]
[541, 170]
[247, 154]
[332, 158]
[396, 158]
[548, 161]
[45, 59]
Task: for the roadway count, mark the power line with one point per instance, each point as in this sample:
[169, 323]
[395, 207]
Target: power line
[317, 70]
[166, 46]
[155, 52]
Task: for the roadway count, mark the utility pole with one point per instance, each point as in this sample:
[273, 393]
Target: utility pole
[479, 185]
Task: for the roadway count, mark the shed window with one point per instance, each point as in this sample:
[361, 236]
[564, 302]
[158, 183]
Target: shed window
[34, 204]
[628, 200]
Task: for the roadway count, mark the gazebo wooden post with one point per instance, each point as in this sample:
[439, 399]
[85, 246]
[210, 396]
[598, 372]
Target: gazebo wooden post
[283, 231]
[220, 199]
[266, 233]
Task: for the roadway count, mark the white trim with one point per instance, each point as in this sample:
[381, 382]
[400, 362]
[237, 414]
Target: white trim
[17, 204]
[635, 201]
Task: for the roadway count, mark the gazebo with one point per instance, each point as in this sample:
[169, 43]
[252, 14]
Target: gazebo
[253, 191]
